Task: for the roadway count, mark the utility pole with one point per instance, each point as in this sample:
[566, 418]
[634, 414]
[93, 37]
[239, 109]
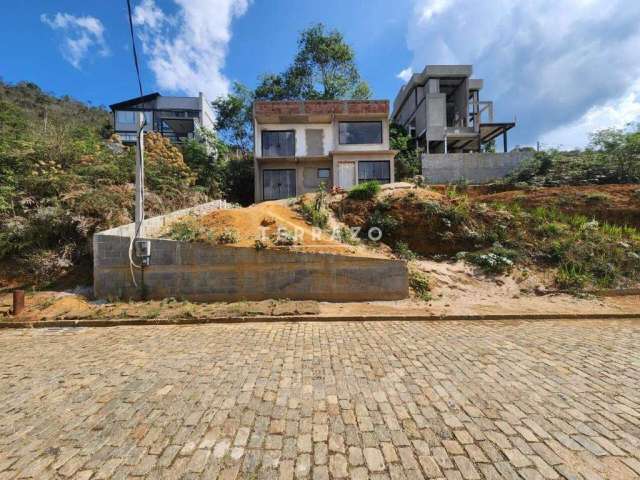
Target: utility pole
[139, 202]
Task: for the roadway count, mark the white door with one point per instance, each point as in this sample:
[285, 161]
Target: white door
[346, 175]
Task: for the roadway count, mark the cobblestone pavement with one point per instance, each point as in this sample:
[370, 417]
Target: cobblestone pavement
[379, 400]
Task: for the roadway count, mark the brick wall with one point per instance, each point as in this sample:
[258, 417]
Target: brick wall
[316, 107]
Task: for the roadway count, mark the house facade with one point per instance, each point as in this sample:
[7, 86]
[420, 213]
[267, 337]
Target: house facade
[442, 109]
[177, 118]
[441, 106]
[300, 144]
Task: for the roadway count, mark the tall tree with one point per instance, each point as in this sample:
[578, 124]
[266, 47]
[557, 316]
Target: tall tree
[233, 119]
[324, 68]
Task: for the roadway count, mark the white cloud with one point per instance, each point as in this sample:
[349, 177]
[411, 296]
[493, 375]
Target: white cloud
[187, 51]
[550, 63]
[617, 113]
[82, 36]
[405, 74]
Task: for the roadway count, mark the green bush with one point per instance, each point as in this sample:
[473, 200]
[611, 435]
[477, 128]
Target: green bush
[419, 283]
[364, 191]
[187, 229]
[402, 250]
[228, 236]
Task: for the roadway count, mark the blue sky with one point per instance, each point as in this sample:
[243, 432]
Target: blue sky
[563, 68]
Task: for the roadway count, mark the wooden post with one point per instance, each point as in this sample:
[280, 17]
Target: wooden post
[18, 302]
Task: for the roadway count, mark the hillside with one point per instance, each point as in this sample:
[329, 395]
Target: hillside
[577, 237]
[61, 180]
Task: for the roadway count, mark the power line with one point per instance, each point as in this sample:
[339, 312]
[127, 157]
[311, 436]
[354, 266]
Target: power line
[133, 42]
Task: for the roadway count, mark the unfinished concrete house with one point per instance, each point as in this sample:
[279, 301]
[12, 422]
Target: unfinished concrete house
[300, 144]
[442, 109]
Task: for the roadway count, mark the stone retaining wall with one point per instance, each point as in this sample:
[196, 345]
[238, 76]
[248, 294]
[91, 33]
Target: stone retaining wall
[202, 272]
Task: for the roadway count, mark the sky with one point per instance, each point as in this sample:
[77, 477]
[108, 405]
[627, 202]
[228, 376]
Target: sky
[561, 68]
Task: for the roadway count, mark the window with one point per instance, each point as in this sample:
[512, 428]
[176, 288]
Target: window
[129, 117]
[353, 133]
[278, 143]
[377, 170]
[126, 117]
[324, 173]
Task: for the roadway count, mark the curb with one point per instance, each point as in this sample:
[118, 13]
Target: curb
[119, 322]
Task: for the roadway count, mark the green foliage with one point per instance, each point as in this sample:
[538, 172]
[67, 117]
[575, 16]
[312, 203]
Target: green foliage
[60, 181]
[316, 211]
[234, 117]
[613, 157]
[187, 229]
[345, 235]
[260, 245]
[496, 260]
[284, 238]
[324, 68]
[364, 190]
[407, 161]
[402, 250]
[228, 236]
[419, 283]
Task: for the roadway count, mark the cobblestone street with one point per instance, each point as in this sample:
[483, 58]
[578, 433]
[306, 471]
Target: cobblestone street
[379, 400]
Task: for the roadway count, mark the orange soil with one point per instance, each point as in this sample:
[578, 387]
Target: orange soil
[268, 217]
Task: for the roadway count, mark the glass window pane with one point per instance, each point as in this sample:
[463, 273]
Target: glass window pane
[323, 173]
[360, 132]
[374, 170]
[126, 117]
[278, 143]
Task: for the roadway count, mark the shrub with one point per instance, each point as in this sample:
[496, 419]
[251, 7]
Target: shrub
[365, 191]
[345, 235]
[260, 245]
[497, 260]
[402, 250]
[571, 277]
[384, 221]
[228, 236]
[187, 229]
[284, 238]
[419, 283]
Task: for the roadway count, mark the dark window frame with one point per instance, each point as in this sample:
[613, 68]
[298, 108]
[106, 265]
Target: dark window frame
[295, 174]
[328, 171]
[277, 131]
[379, 122]
[388, 179]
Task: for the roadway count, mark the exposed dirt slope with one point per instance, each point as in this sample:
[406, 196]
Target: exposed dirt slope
[264, 220]
[619, 204]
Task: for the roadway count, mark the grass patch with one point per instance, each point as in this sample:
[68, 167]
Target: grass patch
[364, 191]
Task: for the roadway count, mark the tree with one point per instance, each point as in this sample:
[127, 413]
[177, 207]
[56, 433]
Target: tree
[621, 149]
[324, 68]
[407, 161]
[233, 117]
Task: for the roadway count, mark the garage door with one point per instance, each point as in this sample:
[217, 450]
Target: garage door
[277, 184]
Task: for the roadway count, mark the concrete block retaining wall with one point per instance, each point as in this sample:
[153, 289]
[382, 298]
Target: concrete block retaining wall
[202, 272]
[473, 167]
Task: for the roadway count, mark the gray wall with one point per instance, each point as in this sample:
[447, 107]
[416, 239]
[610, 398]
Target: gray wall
[202, 272]
[473, 167]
